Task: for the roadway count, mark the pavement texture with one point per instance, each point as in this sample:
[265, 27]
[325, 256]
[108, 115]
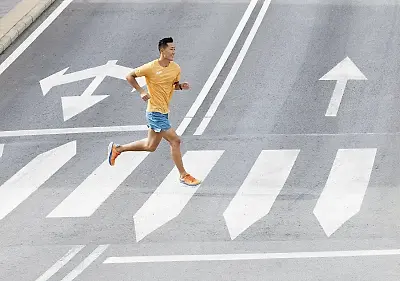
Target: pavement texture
[17, 16]
[275, 102]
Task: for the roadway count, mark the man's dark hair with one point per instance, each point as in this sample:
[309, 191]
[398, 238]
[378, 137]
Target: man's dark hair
[164, 42]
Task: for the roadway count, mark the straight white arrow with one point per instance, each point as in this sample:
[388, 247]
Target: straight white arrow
[259, 190]
[342, 72]
[25, 182]
[98, 186]
[76, 104]
[345, 188]
[171, 197]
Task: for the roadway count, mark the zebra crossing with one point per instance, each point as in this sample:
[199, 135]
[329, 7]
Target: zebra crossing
[341, 197]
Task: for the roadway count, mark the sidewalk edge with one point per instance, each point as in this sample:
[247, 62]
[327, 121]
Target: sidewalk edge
[23, 23]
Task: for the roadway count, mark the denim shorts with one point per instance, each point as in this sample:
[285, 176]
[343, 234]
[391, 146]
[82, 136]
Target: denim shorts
[157, 121]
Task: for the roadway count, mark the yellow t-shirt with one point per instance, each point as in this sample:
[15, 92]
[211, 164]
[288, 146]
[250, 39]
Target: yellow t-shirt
[160, 83]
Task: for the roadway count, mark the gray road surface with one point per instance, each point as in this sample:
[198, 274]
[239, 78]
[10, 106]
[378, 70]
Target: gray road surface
[275, 102]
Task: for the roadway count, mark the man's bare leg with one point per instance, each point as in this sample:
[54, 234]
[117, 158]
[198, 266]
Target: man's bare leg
[175, 143]
[147, 144]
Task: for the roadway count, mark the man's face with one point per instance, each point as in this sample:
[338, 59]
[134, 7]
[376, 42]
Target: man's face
[169, 51]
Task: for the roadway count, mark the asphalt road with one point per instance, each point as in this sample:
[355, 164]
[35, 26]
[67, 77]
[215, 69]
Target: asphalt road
[324, 193]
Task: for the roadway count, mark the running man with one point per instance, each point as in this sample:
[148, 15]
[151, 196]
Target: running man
[162, 78]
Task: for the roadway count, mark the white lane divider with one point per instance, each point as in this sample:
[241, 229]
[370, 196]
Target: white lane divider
[60, 263]
[28, 41]
[1, 149]
[85, 263]
[213, 108]
[250, 256]
[217, 69]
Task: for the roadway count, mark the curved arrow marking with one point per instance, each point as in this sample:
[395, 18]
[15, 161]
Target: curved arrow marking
[76, 104]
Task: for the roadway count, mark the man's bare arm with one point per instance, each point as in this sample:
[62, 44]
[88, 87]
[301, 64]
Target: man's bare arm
[131, 78]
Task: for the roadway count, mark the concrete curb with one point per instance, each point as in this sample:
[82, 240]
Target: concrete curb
[19, 19]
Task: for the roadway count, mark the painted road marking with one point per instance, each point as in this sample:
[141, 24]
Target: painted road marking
[213, 108]
[343, 71]
[169, 199]
[60, 263]
[25, 182]
[250, 256]
[98, 186]
[28, 41]
[259, 189]
[217, 69]
[73, 105]
[85, 263]
[345, 188]
[79, 130]
[1, 149]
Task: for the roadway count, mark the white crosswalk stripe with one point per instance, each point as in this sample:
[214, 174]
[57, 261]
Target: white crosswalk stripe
[20, 186]
[171, 197]
[339, 201]
[345, 189]
[259, 190]
[98, 186]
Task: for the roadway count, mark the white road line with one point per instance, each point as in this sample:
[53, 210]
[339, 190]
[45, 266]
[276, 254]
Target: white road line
[27, 180]
[251, 256]
[98, 186]
[81, 130]
[217, 69]
[60, 263]
[85, 263]
[1, 149]
[211, 111]
[169, 199]
[345, 188]
[21, 48]
[259, 190]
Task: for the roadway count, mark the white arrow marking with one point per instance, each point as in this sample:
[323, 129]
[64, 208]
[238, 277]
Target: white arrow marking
[76, 104]
[98, 186]
[345, 188]
[171, 196]
[32, 176]
[109, 69]
[1, 149]
[343, 71]
[259, 190]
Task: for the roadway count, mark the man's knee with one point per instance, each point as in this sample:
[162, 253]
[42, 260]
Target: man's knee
[173, 139]
[151, 147]
[176, 142]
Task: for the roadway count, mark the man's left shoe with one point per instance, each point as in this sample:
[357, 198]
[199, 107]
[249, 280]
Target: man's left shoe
[189, 180]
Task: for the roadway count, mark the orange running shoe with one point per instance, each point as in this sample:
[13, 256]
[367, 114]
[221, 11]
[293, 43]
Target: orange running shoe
[189, 180]
[112, 153]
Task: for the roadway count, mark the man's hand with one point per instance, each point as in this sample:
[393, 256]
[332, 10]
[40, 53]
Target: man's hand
[185, 86]
[144, 95]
